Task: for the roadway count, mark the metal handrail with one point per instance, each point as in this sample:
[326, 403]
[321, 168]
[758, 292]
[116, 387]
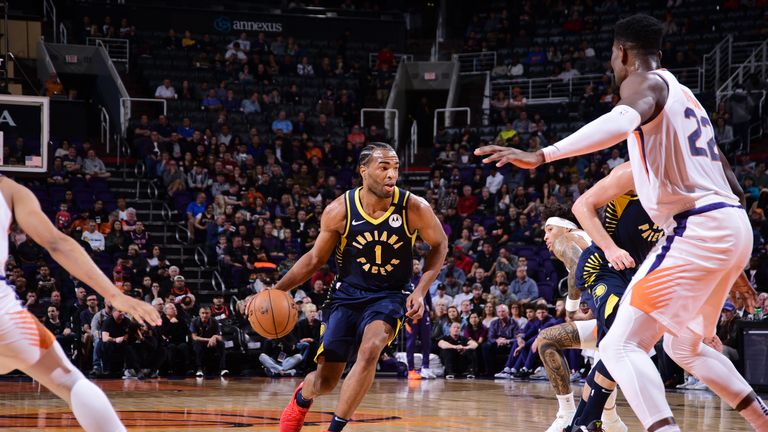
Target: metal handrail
[180, 229]
[759, 58]
[139, 170]
[152, 191]
[201, 258]
[447, 118]
[166, 212]
[104, 127]
[216, 279]
[477, 61]
[50, 8]
[126, 113]
[719, 55]
[396, 135]
[118, 49]
[413, 148]
[63, 33]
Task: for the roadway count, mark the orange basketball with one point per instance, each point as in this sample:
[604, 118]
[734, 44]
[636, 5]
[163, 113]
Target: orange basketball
[272, 313]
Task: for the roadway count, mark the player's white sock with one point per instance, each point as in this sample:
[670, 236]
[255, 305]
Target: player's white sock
[566, 403]
[609, 411]
[624, 352]
[92, 408]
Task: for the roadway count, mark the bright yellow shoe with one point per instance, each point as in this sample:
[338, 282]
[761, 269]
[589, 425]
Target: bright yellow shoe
[413, 375]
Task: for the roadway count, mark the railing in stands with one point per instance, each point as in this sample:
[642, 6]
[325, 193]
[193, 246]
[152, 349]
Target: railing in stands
[475, 61]
[553, 90]
[399, 58]
[63, 33]
[413, 146]
[104, 127]
[119, 50]
[716, 64]
[757, 62]
[448, 118]
[49, 14]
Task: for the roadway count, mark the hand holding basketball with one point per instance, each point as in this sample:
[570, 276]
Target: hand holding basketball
[272, 313]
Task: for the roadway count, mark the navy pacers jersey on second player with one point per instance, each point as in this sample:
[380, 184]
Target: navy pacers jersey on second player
[376, 254]
[631, 229]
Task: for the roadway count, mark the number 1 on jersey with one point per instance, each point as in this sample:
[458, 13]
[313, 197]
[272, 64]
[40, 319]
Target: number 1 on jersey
[378, 254]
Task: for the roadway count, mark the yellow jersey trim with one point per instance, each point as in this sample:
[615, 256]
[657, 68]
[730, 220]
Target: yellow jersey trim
[349, 219]
[385, 215]
[408, 232]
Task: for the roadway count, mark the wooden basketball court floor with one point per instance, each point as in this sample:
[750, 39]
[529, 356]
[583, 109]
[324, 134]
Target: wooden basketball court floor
[254, 404]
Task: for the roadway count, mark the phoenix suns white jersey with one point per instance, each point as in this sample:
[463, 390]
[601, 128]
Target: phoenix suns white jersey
[675, 162]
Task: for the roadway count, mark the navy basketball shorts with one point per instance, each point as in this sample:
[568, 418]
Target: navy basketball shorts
[346, 315]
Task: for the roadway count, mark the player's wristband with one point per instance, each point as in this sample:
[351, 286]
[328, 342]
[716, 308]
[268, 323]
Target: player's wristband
[572, 305]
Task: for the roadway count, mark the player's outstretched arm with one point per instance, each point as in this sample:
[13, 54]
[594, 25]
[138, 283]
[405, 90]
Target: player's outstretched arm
[642, 96]
[618, 182]
[332, 225]
[422, 218]
[70, 254]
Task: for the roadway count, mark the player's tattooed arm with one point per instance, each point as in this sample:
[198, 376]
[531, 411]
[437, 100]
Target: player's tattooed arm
[552, 342]
[566, 249]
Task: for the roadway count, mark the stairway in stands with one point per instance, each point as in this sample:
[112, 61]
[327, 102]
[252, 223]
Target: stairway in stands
[163, 226]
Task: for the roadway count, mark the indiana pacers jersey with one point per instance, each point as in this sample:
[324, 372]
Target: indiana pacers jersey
[631, 229]
[376, 255]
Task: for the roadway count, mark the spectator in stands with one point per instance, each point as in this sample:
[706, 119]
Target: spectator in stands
[173, 179]
[171, 41]
[251, 105]
[356, 136]
[523, 287]
[507, 134]
[501, 336]
[211, 102]
[195, 209]
[458, 353]
[727, 331]
[230, 102]
[53, 86]
[207, 340]
[235, 54]
[72, 162]
[63, 332]
[166, 91]
[117, 241]
[94, 238]
[615, 159]
[489, 315]
[140, 237]
[305, 68]
[308, 332]
[114, 338]
[383, 80]
[174, 334]
[282, 124]
[94, 167]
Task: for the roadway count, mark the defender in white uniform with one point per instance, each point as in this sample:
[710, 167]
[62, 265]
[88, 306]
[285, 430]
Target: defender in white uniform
[25, 344]
[680, 288]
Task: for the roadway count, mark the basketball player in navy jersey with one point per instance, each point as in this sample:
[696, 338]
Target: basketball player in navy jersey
[371, 229]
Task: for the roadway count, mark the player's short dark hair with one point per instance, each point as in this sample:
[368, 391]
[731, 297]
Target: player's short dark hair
[557, 210]
[370, 149]
[640, 32]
